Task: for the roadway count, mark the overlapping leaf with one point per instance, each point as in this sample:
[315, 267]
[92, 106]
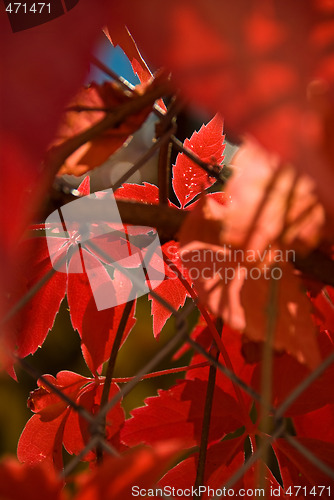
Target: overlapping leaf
[296, 468]
[56, 424]
[139, 467]
[178, 413]
[79, 118]
[32, 483]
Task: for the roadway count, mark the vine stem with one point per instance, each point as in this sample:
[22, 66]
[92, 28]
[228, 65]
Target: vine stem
[100, 427]
[266, 376]
[215, 336]
[160, 373]
[58, 154]
[207, 419]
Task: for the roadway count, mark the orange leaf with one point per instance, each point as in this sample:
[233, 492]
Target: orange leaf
[78, 119]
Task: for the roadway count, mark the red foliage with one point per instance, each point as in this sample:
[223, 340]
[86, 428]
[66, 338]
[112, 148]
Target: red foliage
[272, 80]
[56, 424]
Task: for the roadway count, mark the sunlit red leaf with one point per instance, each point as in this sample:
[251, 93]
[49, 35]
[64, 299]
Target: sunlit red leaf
[94, 152]
[288, 374]
[318, 424]
[178, 414]
[77, 429]
[237, 289]
[296, 469]
[49, 404]
[171, 289]
[146, 193]
[57, 424]
[90, 323]
[37, 317]
[208, 143]
[41, 441]
[270, 204]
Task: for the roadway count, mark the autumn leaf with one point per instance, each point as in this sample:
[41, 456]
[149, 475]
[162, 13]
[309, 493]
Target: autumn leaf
[223, 459]
[78, 119]
[295, 467]
[288, 373]
[32, 483]
[177, 414]
[115, 478]
[34, 62]
[317, 424]
[233, 247]
[208, 144]
[56, 423]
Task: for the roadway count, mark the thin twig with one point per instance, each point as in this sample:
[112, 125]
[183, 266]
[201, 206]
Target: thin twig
[228, 373]
[213, 331]
[303, 386]
[219, 172]
[58, 154]
[251, 461]
[108, 71]
[144, 158]
[78, 458]
[100, 428]
[167, 349]
[38, 376]
[311, 457]
[266, 374]
[161, 373]
[206, 420]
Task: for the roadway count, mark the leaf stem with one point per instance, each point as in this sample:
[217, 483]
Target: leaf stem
[215, 336]
[266, 376]
[110, 371]
[206, 419]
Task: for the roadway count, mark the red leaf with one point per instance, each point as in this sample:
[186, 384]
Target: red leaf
[223, 459]
[178, 414]
[91, 323]
[116, 477]
[188, 179]
[84, 188]
[146, 193]
[93, 153]
[288, 374]
[297, 470]
[318, 424]
[49, 404]
[33, 62]
[77, 430]
[57, 423]
[41, 441]
[232, 342]
[175, 294]
[37, 317]
[227, 284]
[19, 481]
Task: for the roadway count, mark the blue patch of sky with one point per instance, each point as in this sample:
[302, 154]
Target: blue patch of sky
[115, 59]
